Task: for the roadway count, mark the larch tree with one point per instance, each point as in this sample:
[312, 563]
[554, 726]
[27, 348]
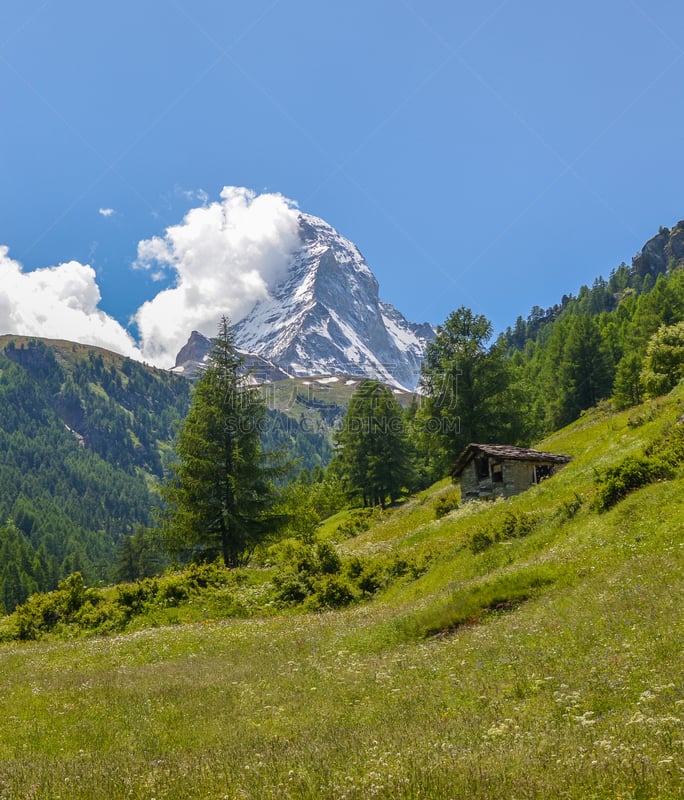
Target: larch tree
[585, 373]
[220, 496]
[374, 455]
[663, 366]
[466, 386]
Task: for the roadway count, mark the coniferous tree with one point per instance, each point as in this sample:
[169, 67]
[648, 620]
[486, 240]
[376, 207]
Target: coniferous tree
[221, 493]
[663, 366]
[140, 555]
[628, 390]
[467, 390]
[13, 587]
[585, 373]
[374, 451]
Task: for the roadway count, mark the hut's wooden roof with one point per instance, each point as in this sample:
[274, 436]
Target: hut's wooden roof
[505, 452]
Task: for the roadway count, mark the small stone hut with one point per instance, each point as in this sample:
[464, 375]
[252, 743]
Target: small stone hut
[487, 471]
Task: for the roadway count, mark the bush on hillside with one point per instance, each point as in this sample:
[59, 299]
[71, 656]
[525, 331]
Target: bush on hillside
[517, 524]
[74, 608]
[480, 541]
[446, 502]
[306, 575]
[631, 473]
[331, 591]
[659, 461]
[514, 525]
[72, 603]
[359, 521]
[670, 448]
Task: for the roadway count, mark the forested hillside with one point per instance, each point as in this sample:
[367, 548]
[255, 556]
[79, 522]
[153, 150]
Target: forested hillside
[595, 345]
[83, 434]
[85, 437]
[620, 341]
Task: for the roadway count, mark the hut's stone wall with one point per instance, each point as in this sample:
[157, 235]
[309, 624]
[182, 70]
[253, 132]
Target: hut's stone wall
[490, 471]
[516, 477]
[470, 486]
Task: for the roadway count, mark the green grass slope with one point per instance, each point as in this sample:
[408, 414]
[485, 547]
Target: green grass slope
[537, 654]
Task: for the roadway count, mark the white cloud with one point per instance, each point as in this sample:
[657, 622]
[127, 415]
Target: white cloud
[58, 303]
[106, 212]
[226, 256]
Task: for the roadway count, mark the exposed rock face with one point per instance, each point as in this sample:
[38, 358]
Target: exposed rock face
[192, 354]
[665, 247]
[674, 249]
[326, 316]
[195, 351]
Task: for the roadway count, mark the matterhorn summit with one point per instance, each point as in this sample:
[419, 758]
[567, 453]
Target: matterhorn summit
[325, 317]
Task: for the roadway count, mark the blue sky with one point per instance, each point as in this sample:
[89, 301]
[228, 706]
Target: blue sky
[494, 154]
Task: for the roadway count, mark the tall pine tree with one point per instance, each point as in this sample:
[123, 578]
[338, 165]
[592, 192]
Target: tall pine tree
[374, 451]
[221, 494]
[585, 373]
[467, 390]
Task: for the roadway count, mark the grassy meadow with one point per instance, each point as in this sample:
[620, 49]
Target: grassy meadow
[536, 653]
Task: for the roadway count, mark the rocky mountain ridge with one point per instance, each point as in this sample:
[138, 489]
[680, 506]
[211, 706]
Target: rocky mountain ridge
[660, 251]
[194, 352]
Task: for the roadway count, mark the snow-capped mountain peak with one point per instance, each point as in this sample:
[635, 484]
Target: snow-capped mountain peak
[326, 316]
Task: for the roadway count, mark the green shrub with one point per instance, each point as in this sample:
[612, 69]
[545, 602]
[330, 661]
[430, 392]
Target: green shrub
[670, 448]
[213, 573]
[569, 508]
[480, 541]
[300, 567]
[99, 616]
[43, 612]
[305, 568]
[40, 613]
[292, 587]
[358, 521]
[372, 578]
[381, 572]
[71, 593]
[660, 461]
[173, 590]
[446, 502]
[630, 474]
[329, 561]
[353, 567]
[73, 607]
[332, 591]
[132, 597]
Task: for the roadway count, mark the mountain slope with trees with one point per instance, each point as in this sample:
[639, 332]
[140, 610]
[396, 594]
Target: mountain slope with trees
[593, 346]
[84, 434]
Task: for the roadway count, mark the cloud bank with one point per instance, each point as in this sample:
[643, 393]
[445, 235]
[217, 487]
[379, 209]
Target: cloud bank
[58, 303]
[222, 258]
